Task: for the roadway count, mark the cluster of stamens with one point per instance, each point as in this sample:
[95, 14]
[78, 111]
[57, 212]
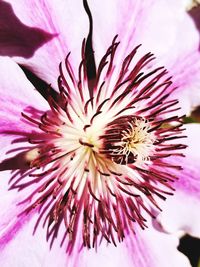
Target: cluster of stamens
[128, 140]
[97, 157]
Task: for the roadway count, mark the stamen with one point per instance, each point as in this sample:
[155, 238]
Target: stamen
[128, 140]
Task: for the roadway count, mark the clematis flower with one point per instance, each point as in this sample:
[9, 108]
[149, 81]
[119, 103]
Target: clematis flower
[94, 164]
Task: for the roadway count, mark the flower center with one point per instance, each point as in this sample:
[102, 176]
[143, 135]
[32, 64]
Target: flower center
[128, 140]
[97, 159]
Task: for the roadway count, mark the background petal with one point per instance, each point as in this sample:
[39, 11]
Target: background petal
[64, 22]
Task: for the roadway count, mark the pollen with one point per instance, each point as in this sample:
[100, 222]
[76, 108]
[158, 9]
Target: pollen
[31, 155]
[128, 139]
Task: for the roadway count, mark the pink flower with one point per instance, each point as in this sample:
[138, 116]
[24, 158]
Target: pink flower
[93, 165]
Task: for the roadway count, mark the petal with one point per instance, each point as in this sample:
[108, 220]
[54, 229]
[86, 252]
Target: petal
[149, 246]
[16, 95]
[152, 23]
[184, 63]
[64, 21]
[181, 212]
[25, 249]
[146, 248]
[163, 28]
[16, 234]
[19, 246]
[8, 200]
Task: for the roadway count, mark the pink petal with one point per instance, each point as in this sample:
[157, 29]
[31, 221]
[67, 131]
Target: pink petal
[26, 249]
[16, 95]
[152, 23]
[18, 245]
[184, 63]
[64, 21]
[8, 200]
[146, 248]
[181, 211]
[163, 28]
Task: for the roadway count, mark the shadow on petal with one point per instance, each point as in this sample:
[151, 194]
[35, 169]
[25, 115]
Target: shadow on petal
[17, 39]
[195, 14]
[14, 163]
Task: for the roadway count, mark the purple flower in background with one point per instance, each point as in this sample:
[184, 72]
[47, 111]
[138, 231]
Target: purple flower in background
[89, 167]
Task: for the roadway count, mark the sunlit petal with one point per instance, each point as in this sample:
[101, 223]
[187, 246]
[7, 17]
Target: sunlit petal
[162, 27]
